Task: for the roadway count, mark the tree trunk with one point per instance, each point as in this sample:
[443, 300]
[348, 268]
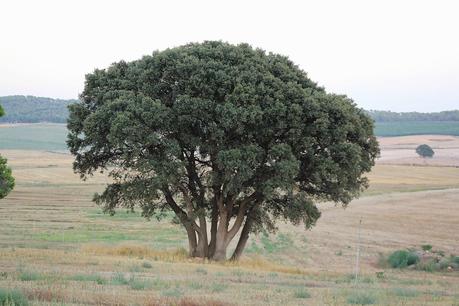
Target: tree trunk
[202, 248]
[221, 243]
[242, 239]
[192, 243]
[213, 231]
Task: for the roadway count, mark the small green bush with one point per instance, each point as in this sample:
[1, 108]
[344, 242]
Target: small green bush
[12, 297]
[402, 259]
[426, 247]
[361, 298]
[302, 294]
[146, 265]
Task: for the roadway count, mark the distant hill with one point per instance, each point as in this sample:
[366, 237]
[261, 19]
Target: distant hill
[388, 116]
[30, 109]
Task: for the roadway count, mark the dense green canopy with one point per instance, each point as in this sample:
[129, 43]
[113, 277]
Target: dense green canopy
[6, 179]
[223, 133]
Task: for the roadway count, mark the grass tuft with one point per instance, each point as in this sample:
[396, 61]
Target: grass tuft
[217, 287]
[302, 294]
[30, 276]
[405, 292]
[119, 279]
[361, 298]
[140, 284]
[12, 297]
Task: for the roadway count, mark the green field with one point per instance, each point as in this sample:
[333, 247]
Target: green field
[51, 137]
[417, 128]
[48, 137]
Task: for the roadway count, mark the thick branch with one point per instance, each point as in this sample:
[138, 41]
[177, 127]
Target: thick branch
[186, 221]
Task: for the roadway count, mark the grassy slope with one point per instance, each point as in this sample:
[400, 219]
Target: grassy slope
[55, 245]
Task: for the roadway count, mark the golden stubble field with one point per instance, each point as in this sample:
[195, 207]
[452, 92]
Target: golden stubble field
[59, 249]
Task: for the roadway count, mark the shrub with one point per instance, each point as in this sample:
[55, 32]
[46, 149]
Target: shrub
[402, 259]
[426, 247]
[12, 297]
[302, 294]
[146, 265]
[361, 298]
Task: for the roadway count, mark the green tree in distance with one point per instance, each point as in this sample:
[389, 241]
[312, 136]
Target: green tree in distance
[229, 138]
[425, 151]
[6, 179]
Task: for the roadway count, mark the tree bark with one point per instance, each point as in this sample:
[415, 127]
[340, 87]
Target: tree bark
[213, 231]
[243, 239]
[220, 243]
[192, 243]
[202, 248]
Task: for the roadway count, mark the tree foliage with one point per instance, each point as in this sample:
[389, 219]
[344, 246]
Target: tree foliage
[220, 133]
[425, 151]
[6, 179]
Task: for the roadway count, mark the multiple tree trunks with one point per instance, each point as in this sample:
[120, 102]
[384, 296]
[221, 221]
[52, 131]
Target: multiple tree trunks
[221, 232]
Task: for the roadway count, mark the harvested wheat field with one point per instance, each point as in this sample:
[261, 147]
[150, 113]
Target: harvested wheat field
[60, 249]
[401, 150]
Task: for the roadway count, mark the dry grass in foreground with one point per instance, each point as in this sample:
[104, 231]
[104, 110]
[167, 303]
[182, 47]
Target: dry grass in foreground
[58, 249]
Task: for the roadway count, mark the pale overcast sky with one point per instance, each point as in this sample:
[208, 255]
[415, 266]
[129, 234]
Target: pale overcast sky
[389, 55]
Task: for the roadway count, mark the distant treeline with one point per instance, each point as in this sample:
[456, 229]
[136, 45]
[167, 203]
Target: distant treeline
[30, 109]
[388, 116]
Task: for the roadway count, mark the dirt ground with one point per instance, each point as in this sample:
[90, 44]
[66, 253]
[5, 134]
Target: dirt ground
[401, 150]
[58, 248]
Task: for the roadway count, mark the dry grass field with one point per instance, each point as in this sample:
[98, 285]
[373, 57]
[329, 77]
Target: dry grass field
[59, 249]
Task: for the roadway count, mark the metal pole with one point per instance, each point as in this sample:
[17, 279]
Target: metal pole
[357, 263]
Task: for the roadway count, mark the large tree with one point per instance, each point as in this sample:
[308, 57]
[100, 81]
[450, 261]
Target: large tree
[6, 179]
[228, 137]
